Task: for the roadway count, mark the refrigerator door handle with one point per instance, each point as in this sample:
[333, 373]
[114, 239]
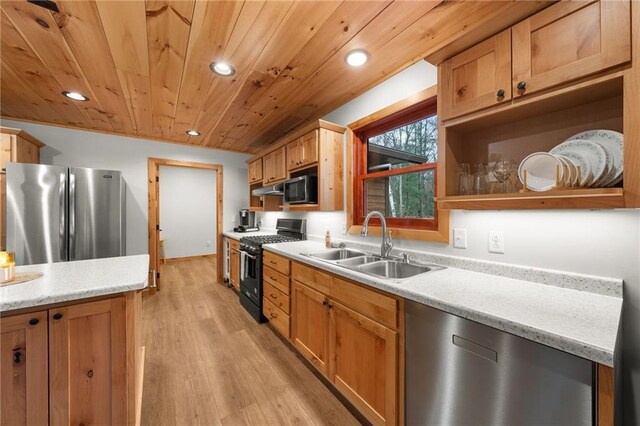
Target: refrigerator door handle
[72, 215]
[63, 216]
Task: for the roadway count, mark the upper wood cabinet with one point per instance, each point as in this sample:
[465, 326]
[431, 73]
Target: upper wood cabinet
[568, 41]
[255, 171]
[477, 78]
[303, 151]
[16, 146]
[274, 166]
[24, 371]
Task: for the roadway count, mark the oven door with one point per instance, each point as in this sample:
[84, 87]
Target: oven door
[251, 276]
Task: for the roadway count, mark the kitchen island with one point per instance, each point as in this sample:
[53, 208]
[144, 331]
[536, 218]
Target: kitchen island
[71, 343]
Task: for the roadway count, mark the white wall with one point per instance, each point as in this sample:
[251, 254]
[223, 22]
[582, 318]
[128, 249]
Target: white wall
[604, 242]
[69, 147]
[188, 211]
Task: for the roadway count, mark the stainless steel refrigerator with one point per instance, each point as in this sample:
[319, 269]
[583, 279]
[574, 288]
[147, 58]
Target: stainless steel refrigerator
[57, 214]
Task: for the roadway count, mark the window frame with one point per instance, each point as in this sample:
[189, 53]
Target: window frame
[412, 113]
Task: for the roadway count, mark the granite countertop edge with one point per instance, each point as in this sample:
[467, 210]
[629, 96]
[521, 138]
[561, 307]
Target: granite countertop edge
[44, 291]
[598, 353]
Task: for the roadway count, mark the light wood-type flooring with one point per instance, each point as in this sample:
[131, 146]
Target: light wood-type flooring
[207, 362]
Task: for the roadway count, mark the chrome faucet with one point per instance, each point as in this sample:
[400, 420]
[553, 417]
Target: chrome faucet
[387, 241]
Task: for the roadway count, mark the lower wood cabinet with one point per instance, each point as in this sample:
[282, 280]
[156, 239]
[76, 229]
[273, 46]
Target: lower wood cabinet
[24, 370]
[364, 363]
[87, 370]
[75, 364]
[310, 331]
[234, 264]
[352, 334]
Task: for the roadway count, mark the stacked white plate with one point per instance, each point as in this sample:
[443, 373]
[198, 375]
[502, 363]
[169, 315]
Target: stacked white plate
[589, 159]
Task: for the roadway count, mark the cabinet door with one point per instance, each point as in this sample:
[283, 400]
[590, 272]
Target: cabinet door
[5, 149]
[310, 330]
[567, 41]
[364, 363]
[479, 77]
[234, 268]
[255, 171]
[26, 152]
[309, 148]
[88, 369]
[294, 154]
[24, 373]
[268, 168]
[280, 163]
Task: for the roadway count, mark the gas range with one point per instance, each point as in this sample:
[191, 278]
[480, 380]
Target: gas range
[254, 244]
[251, 262]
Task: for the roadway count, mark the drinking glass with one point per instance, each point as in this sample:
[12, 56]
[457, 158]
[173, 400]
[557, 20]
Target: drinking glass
[502, 170]
[464, 179]
[480, 179]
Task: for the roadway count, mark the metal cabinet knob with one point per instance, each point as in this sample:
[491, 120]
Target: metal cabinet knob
[57, 316]
[500, 93]
[522, 85]
[34, 321]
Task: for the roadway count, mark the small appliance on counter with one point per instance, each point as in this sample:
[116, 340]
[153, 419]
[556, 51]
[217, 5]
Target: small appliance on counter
[288, 230]
[247, 221]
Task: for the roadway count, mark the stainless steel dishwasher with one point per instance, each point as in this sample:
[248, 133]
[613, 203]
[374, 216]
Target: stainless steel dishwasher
[459, 372]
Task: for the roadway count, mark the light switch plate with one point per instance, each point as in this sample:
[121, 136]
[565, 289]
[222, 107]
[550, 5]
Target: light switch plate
[460, 238]
[496, 242]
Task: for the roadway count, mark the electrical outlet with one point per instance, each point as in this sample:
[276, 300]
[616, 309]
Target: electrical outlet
[344, 228]
[496, 242]
[460, 238]
[209, 243]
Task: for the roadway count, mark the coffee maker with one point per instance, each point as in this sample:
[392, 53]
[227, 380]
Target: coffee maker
[247, 221]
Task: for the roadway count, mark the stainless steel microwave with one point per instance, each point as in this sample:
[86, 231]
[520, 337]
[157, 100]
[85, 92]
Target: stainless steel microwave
[301, 190]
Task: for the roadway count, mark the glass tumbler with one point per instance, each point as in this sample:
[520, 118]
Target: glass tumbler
[464, 179]
[480, 179]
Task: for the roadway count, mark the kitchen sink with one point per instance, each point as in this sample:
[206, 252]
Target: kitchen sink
[361, 260]
[337, 254]
[371, 264]
[394, 269]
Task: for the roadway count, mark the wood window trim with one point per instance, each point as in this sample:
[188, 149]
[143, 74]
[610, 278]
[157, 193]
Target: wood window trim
[375, 120]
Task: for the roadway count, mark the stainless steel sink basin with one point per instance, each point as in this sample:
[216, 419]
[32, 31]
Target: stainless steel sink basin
[394, 269]
[336, 254]
[356, 261]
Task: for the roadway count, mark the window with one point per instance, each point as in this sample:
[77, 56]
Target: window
[395, 164]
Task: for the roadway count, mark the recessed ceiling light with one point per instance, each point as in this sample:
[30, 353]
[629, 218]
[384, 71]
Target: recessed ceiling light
[222, 68]
[193, 133]
[75, 96]
[357, 57]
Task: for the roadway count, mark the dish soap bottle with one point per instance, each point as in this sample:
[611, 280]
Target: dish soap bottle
[327, 239]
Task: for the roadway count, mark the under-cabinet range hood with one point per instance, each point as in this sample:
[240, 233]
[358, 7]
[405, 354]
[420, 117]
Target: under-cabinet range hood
[277, 189]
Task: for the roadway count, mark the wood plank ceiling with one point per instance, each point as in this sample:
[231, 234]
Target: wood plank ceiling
[145, 65]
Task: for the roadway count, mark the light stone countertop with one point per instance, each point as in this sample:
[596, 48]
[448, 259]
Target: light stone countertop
[70, 281]
[237, 235]
[578, 322]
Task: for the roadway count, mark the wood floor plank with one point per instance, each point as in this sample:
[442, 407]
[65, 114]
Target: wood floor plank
[209, 363]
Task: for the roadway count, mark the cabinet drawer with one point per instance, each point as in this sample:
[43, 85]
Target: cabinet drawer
[312, 278]
[276, 317]
[379, 307]
[276, 279]
[276, 262]
[234, 244]
[277, 297]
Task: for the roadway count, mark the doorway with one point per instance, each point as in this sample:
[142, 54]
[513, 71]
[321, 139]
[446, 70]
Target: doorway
[154, 215]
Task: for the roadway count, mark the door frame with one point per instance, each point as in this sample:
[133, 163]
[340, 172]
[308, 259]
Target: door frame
[154, 226]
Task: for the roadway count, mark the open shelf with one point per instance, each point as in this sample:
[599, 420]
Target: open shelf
[533, 124]
[584, 198]
[302, 207]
